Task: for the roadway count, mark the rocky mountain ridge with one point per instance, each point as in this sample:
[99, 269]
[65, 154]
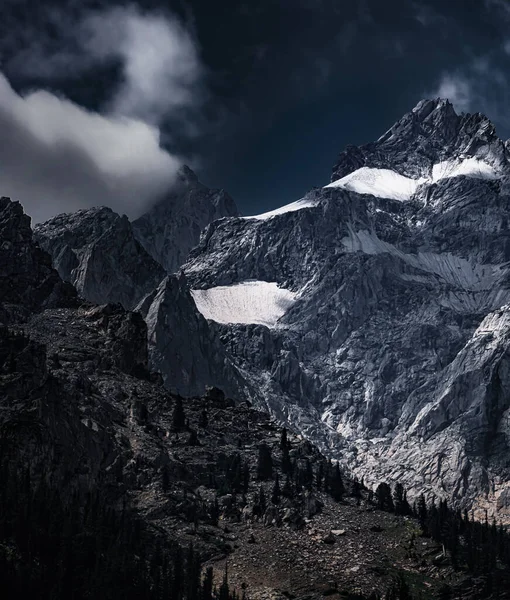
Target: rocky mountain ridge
[394, 353]
[171, 228]
[84, 421]
[96, 251]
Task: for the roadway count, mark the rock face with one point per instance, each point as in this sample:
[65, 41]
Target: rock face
[173, 226]
[184, 348]
[28, 282]
[96, 251]
[394, 354]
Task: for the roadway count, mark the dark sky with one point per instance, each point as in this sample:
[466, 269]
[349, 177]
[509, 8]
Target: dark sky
[283, 85]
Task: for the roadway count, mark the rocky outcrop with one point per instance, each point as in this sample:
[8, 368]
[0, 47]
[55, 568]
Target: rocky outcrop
[96, 251]
[183, 347]
[382, 358]
[170, 229]
[28, 282]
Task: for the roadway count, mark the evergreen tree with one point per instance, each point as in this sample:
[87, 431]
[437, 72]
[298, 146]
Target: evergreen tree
[319, 476]
[336, 484]
[384, 498]
[400, 500]
[276, 493]
[203, 419]
[264, 463]
[262, 500]
[207, 584]
[178, 415]
[286, 462]
[193, 438]
[284, 442]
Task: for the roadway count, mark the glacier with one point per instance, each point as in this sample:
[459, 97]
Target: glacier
[258, 302]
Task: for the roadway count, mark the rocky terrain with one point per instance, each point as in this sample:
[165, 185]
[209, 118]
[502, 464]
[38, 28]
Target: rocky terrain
[96, 251]
[82, 415]
[171, 228]
[391, 350]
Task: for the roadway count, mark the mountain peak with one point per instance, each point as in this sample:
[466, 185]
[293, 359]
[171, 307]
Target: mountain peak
[187, 176]
[430, 133]
[428, 105]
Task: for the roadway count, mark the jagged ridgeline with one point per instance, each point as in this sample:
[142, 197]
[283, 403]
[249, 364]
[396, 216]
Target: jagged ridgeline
[370, 316]
[373, 313]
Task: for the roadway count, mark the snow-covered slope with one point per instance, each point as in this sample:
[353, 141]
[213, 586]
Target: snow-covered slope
[378, 182]
[378, 359]
[386, 183]
[293, 206]
[258, 302]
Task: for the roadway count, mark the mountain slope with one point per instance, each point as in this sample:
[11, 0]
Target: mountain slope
[170, 229]
[108, 475]
[96, 251]
[392, 267]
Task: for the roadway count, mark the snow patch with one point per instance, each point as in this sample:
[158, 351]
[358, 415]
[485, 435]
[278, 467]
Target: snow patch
[383, 183]
[470, 167]
[292, 207]
[250, 302]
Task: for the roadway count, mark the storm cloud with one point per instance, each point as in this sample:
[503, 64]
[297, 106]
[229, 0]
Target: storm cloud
[57, 156]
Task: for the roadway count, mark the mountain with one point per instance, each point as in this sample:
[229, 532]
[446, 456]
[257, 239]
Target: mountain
[184, 348]
[171, 228]
[114, 487]
[96, 251]
[28, 282]
[373, 313]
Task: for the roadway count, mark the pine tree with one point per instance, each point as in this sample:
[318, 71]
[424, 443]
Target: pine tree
[284, 442]
[262, 500]
[319, 476]
[383, 496]
[178, 416]
[203, 419]
[207, 584]
[286, 462]
[276, 493]
[336, 484]
[193, 438]
[264, 463]
[400, 500]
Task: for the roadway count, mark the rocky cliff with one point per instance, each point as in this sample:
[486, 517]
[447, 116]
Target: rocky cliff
[96, 251]
[170, 229]
[387, 342]
[185, 348]
[111, 471]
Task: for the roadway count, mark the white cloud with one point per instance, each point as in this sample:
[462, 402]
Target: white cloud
[457, 89]
[57, 157]
[161, 69]
[481, 85]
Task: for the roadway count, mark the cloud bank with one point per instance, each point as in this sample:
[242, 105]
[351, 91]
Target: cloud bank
[161, 70]
[56, 156]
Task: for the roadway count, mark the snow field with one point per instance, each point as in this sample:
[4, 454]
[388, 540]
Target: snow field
[250, 302]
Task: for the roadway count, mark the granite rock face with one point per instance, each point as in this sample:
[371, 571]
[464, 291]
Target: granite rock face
[170, 229]
[28, 282]
[184, 347]
[96, 251]
[394, 355]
